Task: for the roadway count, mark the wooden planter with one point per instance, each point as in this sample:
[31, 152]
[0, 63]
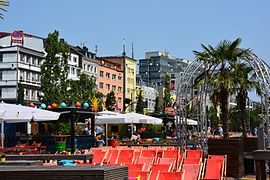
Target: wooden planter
[234, 149]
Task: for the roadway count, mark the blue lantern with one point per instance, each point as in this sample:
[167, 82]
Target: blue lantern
[85, 105]
[43, 106]
[63, 105]
[19, 105]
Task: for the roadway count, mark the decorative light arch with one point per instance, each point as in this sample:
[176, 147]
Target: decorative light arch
[184, 98]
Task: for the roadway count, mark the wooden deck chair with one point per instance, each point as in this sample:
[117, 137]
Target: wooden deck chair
[128, 153]
[148, 161]
[171, 175]
[213, 169]
[137, 153]
[194, 154]
[156, 168]
[98, 157]
[135, 167]
[148, 153]
[138, 175]
[114, 154]
[192, 171]
[124, 160]
[223, 157]
[192, 161]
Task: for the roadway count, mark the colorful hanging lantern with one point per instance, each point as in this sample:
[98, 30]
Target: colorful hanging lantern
[94, 104]
[49, 107]
[43, 106]
[31, 105]
[78, 105]
[85, 105]
[63, 105]
[54, 105]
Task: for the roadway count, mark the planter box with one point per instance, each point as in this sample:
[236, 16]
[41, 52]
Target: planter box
[234, 149]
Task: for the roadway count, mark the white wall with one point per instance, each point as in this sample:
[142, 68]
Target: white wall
[9, 93]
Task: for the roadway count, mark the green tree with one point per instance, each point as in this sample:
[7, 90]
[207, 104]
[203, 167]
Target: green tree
[140, 104]
[167, 92]
[218, 74]
[157, 107]
[20, 94]
[54, 70]
[243, 82]
[2, 4]
[82, 90]
[110, 101]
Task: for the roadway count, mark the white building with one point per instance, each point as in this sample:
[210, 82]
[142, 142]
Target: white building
[21, 56]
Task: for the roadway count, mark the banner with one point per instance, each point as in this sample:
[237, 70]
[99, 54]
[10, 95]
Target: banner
[17, 38]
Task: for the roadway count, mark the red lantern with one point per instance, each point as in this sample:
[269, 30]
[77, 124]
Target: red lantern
[31, 105]
[49, 107]
[78, 105]
[54, 105]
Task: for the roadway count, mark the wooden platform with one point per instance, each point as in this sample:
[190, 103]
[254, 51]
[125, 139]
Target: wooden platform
[45, 157]
[21, 163]
[260, 156]
[64, 173]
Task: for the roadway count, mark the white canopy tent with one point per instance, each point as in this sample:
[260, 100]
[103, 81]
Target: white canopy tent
[12, 113]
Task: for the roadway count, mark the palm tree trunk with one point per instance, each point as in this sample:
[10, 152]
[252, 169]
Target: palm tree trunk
[224, 96]
[242, 107]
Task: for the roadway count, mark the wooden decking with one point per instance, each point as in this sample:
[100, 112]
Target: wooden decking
[45, 157]
[64, 173]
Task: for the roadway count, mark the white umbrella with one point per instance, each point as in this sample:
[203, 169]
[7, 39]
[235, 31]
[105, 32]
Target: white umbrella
[107, 113]
[12, 113]
[144, 119]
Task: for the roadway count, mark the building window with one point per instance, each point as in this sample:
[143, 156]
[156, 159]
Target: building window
[108, 75]
[113, 76]
[101, 85]
[120, 78]
[74, 59]
[0, 92]
[28, 59]
[33, 95]
[38, 61]
[113, 88]
[27, 76]
[119, 100]
[33, 77]
[119, 89]
[21, 57]
[1, 57]
[101, 73]
[72, 70]
[95, 69]
[27, 93]
[107, 86]
[1, 75]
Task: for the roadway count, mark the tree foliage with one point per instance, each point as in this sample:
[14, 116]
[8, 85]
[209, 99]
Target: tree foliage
[218, 75]
[20, 94]
[110, 101]
[140, 104]
[54, 70]
[2, 4]
[157, 107]
[167, 92]
[82, 90]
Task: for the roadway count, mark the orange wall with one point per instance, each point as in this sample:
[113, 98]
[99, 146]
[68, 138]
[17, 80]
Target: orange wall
[113, 69]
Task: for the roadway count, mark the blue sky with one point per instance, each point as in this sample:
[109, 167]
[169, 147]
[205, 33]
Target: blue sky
[172, 25]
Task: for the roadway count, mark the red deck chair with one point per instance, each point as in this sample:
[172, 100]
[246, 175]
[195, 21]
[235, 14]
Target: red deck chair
[113, 157]
[98, 157]
[137, 153]
[135, 167]
[213, 169]
[134, 175]
[148, 153]
[124, 160]
[191, 161]
[156, 168]
[128, 153]
[194, 154]
[169, 161]
[192, 171]
[148, 161]
[174, 153]
[170, 175]
[222, 157]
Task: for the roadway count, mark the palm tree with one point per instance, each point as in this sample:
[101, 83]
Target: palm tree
[3, 3]
[244, 82]
[219, 63]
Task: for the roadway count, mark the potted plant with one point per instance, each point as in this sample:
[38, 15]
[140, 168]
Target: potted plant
[3, 157]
